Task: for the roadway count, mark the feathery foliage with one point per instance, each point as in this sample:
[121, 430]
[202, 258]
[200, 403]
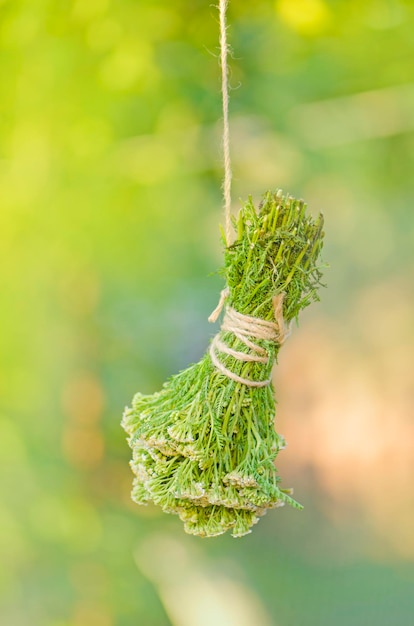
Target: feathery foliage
[204, 446]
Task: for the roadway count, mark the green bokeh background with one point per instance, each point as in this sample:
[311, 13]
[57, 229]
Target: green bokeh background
[110, 174]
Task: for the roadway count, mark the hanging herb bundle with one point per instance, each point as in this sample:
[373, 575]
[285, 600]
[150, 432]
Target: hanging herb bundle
[204, 446]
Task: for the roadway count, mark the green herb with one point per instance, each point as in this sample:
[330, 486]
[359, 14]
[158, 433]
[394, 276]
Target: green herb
[204, 446]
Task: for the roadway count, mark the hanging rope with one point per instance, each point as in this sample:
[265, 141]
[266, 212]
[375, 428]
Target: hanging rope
[224, 51]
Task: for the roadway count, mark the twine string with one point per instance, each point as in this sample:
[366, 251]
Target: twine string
[247, 329]
[224, 51]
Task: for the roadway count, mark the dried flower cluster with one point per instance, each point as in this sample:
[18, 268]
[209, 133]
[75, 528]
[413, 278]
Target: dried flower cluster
[204, 446]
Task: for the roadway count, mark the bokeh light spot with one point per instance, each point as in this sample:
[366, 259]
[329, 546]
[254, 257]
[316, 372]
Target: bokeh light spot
[89, 578]
[130, 62]
[20, 29]
[83, 398]
[308, 17]
[79, 290]
[85, 11]
[103, 34]
[89, 137]
[383, 15]
[30, 159]
[87, 614]
[83, 446]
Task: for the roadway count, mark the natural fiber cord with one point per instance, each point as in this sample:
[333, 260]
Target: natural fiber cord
[204, 446]
[244, 328]
[224, 51]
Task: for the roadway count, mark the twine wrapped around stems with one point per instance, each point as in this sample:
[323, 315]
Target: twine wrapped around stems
[204, 446]
[246, 328]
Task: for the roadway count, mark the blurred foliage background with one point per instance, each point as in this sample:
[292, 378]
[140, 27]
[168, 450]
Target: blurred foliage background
[110, 174]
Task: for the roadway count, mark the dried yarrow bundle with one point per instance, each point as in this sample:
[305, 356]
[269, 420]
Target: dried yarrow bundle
[204, 446]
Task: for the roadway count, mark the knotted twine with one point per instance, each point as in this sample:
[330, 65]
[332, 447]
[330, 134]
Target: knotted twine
[246, 328]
